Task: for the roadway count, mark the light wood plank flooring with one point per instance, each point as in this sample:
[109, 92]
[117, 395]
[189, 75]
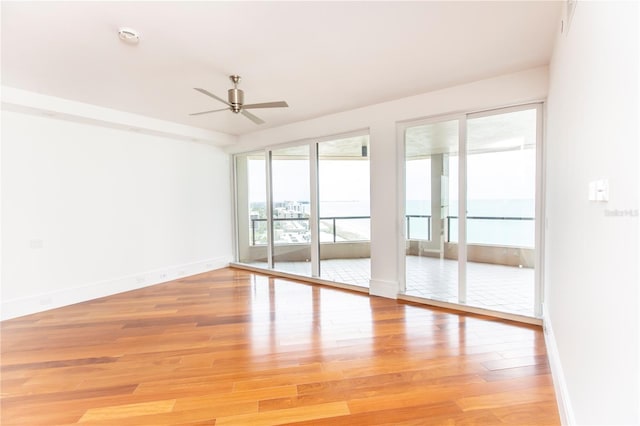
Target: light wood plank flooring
[232, 347]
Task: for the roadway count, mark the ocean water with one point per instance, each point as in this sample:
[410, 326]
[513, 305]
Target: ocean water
[508, 232]
[520, 233]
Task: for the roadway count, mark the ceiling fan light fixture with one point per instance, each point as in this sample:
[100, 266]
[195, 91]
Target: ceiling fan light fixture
[128, 35]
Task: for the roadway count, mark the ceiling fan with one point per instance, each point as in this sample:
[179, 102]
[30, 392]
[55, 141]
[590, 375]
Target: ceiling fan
[236, 102]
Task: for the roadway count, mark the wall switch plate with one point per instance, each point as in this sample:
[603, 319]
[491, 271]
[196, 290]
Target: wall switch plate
[599, 190]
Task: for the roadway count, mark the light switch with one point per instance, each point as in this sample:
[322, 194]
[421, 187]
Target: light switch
[599, 190]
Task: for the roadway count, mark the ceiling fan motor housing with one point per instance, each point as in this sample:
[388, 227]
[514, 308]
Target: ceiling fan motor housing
[236, 99]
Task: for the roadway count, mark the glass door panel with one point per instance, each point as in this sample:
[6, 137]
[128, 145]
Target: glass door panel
[431, 206]
[291, 210]
[251, 208]
[344, 217]
[501, 206]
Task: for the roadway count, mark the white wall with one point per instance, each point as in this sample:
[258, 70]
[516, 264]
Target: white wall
[591, 258]
[90, 210]
[386, 224]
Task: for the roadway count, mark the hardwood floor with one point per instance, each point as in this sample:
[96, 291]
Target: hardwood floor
[232, 347]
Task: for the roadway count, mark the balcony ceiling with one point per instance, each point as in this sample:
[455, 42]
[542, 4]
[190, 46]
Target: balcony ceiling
[321, 57]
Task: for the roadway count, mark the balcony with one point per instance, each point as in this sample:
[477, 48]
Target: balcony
[340, 243]
[500, 276]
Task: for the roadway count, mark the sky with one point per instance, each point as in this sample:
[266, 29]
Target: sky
[340, 180]
[496, 175]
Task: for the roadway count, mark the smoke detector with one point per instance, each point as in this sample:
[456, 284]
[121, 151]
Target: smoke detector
[128, 35]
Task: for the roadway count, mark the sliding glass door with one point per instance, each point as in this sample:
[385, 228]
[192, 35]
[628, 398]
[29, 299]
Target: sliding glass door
[471, 218]
[501, 205]
[251, 206]
[344, 219]
[291, 209]
[431, 200]
[304, 209]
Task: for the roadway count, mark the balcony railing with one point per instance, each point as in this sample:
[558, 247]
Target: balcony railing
[291, 219]
[409, 217]
[415, 217]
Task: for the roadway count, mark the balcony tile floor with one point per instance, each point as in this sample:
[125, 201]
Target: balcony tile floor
[497, 287]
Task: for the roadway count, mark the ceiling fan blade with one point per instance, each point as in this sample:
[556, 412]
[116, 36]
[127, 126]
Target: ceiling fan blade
[277, 104]
[252, 117]
[208, 112]
[205, 92]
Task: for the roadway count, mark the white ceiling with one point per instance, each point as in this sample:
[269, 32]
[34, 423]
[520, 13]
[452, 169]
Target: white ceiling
[321, 57]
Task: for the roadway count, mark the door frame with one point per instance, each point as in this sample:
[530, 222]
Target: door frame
[462, 117]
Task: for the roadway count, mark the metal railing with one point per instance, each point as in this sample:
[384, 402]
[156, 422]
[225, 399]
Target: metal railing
[409, 217]
[416, 216]
[333, 225]
[288, 219]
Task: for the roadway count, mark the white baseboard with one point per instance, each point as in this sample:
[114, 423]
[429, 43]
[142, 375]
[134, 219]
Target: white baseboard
[388, 289]
[559, 382]
[18, 307]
